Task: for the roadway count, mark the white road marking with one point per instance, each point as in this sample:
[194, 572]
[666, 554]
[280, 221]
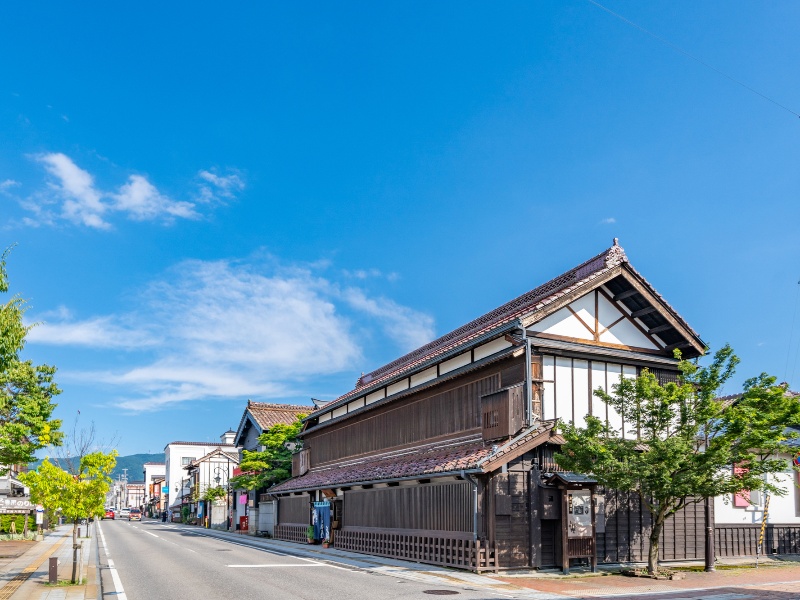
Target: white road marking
[278, 566]
[148, 533]
[120, 591]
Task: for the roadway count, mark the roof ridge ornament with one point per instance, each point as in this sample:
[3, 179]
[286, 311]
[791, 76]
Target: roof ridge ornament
[615, 255]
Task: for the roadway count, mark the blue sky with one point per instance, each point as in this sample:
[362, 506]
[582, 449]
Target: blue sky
[213, 203]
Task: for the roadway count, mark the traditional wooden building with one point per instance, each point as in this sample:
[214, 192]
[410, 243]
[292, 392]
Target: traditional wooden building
[445, 455]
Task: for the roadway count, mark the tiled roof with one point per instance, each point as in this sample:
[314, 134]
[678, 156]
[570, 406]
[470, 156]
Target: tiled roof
[212, 444]
[507, 313]
[214, 452]
[267, 415]
[431, 460]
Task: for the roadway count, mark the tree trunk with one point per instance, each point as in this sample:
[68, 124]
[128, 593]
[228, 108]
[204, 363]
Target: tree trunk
[75, 550]
[652, 555]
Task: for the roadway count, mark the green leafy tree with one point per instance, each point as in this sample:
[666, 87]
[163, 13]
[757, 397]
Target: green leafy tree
[273, 464]
[214, 493]
[688, 440]
[76, 496]
[26, 390]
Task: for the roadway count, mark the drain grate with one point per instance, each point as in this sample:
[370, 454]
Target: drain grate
[440, 592]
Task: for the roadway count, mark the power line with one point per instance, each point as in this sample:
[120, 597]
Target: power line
[693, 57]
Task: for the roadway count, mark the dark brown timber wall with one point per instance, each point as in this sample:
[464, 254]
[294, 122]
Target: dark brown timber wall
[627, 530]
[428, 507]
[294, 510]
[443, 411]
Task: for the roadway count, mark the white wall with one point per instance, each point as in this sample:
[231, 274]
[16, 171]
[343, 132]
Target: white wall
[174, 469]
[782, 509]
[569, 389]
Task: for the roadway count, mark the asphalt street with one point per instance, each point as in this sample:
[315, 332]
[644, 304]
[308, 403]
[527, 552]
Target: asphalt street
[155, 560]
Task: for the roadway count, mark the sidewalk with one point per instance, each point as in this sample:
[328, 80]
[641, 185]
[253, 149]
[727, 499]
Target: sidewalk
[25, 577]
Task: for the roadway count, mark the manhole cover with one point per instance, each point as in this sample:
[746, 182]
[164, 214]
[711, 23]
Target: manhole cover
[440, 592]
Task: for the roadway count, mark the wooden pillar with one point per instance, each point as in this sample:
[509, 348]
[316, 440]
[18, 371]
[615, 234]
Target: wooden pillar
[535, 519]
[592, 507]
[564, 532]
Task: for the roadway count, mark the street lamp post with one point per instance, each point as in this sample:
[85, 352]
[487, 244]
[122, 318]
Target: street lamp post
[219, 472]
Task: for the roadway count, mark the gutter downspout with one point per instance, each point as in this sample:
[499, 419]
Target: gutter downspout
[474, 484]
[528, 383]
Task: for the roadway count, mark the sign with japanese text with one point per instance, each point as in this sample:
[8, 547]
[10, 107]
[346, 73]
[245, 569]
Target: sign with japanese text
[579, 513]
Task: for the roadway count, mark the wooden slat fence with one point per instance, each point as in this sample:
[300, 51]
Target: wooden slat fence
[742, 540]
[437, 548]
[291, 533]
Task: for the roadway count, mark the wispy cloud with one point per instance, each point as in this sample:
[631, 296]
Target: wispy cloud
[216, 185]
[231, 329]
[71, 195]
[82, 203]
[59, 328]
[608, 221]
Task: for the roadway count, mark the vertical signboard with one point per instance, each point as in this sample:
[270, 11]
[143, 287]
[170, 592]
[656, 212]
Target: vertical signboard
[579, 513]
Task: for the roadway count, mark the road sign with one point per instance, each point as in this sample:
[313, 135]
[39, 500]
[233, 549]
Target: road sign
[165, 490]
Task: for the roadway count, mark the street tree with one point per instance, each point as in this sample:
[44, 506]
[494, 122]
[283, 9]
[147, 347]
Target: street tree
[687, 443]
[26, 390]
[75, 481]
[273, 464]
[75, 496]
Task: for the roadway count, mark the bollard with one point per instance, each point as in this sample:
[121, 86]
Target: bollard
[53, 570]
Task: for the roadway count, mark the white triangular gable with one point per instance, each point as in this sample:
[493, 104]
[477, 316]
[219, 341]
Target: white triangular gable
[595, 318]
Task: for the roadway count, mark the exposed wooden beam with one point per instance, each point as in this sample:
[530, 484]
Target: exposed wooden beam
[677, 346]
[694, 341]
[660, 328]
[644, 311]
[625, 294]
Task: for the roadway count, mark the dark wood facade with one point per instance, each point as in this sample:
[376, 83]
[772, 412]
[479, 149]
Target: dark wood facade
[443, 457]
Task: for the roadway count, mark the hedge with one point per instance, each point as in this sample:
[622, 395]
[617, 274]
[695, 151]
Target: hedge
[5, 523]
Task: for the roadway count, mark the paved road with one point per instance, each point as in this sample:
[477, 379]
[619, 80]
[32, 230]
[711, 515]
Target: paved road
[155, 560]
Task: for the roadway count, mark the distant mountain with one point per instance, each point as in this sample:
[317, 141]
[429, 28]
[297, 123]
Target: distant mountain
[134, 463]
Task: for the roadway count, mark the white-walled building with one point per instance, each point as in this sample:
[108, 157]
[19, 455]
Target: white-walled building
[178, 455]
[151, 472]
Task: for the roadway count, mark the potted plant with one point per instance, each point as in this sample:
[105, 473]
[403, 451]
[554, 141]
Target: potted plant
[326, 542]
[310, 534]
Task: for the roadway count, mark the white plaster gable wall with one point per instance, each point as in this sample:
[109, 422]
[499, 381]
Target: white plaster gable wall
[578, 321]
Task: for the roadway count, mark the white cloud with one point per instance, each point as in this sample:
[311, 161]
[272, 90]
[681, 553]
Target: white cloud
[97, 332]
[8, 184]
[223, 185]
[76, 198]
[142, 201]
[409, 328]
[231, 330]
[608, 221]
[82, 203]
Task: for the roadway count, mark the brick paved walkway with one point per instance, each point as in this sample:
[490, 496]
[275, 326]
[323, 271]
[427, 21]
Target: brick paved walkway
[777, 580]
